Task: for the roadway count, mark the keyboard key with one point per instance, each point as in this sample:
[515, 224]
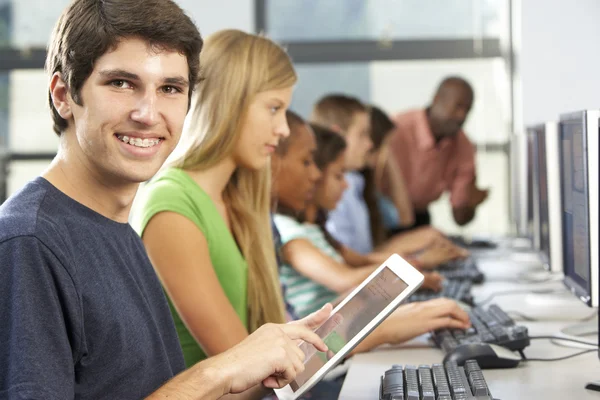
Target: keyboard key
[449, 382]
[426, 383]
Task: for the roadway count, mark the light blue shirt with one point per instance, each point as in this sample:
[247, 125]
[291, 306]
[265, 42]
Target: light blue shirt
[388, 211]
[349, 223]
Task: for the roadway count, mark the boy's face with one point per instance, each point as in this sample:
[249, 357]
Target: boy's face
[358, 140]
[134, 105]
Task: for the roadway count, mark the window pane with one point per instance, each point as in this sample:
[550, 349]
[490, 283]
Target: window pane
[29, 122]
[317, 80]
[29, 23]
[33, 20]
[21, 172]
[4, 98]
[5, 12]
[320, 20]
[211, 16]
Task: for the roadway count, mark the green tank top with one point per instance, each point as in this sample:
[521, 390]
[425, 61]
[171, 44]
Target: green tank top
[174, 190]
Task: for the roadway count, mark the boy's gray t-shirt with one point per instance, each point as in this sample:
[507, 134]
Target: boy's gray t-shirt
[82, 313]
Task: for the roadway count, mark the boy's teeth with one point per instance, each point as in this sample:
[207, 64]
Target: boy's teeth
[138, 142]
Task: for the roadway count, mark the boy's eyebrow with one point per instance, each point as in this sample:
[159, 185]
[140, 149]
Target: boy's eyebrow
[177, 80]
[121, 73]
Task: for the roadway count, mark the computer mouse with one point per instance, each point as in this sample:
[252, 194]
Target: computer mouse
[489, 356]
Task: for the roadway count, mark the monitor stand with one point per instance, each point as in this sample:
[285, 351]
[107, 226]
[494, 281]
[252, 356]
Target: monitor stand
[561, 306]
[582, 329]
[540, 276]
[595, 386]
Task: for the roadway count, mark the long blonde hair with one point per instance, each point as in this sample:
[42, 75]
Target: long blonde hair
[235, 66]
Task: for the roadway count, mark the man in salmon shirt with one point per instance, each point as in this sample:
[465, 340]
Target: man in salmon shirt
[435, 155]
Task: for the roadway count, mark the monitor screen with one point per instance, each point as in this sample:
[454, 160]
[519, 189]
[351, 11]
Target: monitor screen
[530, 228]
[575, 207]
[543, 227]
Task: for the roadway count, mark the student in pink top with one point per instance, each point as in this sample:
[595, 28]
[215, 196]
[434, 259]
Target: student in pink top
[435, 155]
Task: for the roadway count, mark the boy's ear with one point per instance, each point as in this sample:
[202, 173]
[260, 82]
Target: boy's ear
[60, 96]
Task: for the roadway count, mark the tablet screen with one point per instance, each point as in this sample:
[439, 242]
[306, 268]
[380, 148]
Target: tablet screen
[349, 320]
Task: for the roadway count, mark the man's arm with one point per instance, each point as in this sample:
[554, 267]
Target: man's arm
[465, 214]
[270, 355]
[465, 196]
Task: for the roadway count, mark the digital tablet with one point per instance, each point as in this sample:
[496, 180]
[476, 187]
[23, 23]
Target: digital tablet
[353, 319]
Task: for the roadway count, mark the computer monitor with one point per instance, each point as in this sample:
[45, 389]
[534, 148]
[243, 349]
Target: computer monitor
[579, 180]
[518, 180]
[546, 195]
[530, 230]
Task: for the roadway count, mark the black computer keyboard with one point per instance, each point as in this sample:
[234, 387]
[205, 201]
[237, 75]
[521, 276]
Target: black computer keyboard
[453, 289]
[473, 244]
[488, 326]
[438, 382]
[465, 269]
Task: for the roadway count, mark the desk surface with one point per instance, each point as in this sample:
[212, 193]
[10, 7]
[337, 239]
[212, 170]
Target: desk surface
[564, 379]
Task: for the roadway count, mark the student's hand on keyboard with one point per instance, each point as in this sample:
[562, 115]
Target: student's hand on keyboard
[440, 252]
[414, 319]
[433, 281]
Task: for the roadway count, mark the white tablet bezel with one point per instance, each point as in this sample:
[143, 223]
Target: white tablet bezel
[413, 279]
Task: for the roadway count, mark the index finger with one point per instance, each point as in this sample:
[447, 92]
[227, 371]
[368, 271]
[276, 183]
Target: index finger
[458, 313]
[296, 331]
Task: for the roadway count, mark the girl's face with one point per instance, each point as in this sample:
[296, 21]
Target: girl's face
[265, 125]
[332, 185]
[295, 174]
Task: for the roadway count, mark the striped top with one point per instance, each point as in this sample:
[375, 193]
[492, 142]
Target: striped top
[304, 294]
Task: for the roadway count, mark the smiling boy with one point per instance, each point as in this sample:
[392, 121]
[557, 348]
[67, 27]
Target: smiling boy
[83, 313]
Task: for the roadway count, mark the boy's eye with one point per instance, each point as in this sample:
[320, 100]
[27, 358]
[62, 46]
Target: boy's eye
[275, 109]
[171, 89]
[120, 83]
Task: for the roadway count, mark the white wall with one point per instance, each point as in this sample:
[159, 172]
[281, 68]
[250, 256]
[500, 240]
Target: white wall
[559, 61]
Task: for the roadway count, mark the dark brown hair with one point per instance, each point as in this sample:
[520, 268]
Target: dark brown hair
[87, 29]
[381, 127]
[294, 122]
[336, 109]
[329, 147]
